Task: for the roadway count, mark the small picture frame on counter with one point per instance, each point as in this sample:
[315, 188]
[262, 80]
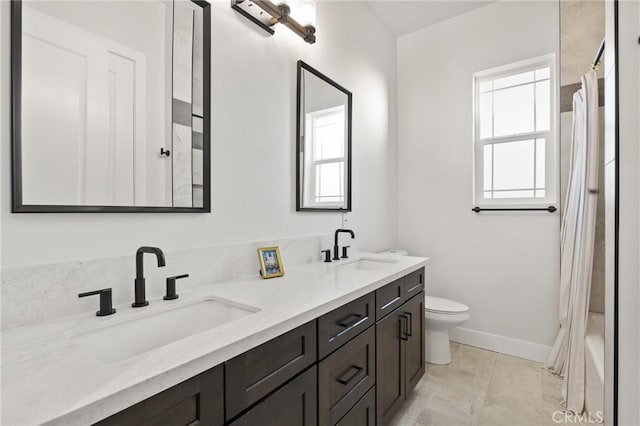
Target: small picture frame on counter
[270, 262]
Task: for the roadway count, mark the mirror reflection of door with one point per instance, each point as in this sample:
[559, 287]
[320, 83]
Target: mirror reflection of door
[102, 92]
[323, 144]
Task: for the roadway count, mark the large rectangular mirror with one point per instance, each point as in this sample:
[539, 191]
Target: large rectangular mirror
[111, 107]
[323, 161]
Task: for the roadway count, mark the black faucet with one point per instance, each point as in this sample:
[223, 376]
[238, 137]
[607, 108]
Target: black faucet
[139, 283]
[336, 249]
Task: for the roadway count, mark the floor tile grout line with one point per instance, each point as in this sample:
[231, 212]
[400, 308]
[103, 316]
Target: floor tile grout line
[486, 391]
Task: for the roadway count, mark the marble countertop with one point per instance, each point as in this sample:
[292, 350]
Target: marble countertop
[48, 378]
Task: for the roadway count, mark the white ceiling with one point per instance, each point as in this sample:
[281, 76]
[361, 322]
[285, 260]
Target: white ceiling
[403, 17]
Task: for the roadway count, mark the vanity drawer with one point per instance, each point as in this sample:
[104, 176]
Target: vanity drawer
[343, 324]
[363, 413]
[254, 374]
[345, 376]
[414, 283]
[197, 400]
[389, 297]
[296, 403]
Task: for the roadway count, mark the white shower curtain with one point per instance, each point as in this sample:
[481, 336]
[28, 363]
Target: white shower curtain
[577, 239]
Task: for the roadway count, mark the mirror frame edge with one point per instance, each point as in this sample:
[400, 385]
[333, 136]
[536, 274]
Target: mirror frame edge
[17, 205]
[304, 66]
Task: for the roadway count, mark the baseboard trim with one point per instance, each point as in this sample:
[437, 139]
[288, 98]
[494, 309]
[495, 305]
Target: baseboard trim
[502, 344]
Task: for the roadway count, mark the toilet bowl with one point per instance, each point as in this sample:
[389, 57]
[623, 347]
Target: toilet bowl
[441, 315]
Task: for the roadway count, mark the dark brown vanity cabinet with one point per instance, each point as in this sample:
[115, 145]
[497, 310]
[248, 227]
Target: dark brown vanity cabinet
[400, 356]
[197, 401]
[353, 366]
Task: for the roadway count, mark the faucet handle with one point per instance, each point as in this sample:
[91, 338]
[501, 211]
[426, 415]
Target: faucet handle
[327, 255]
[344, 252]
[106, 306]
[171, 287]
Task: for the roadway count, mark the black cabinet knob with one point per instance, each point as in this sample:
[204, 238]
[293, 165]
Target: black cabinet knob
[171, 287]
[327, 255]
[106, 305]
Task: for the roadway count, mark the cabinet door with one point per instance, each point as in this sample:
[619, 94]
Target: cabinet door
[390, 365]
[194, 401]
[363, 413]
[295, 404]
[415, 344]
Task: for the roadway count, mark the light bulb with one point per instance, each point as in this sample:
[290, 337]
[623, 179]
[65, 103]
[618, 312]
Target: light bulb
[306, 13]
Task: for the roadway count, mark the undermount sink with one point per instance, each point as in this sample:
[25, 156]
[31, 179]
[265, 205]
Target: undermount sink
[368, 264]
[140, 334]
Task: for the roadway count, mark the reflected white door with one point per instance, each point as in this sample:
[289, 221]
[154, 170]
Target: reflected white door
[83, 117]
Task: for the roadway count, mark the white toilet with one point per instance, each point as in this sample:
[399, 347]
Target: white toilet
[441, 315]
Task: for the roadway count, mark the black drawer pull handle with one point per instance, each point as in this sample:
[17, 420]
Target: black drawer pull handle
[403, 328]
[417, 286]
[410, 322]
[354, 372]
[349, 321]
[391, 302]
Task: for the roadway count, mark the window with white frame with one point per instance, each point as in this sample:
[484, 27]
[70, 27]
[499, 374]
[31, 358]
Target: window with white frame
[326, 139]
[514, 134]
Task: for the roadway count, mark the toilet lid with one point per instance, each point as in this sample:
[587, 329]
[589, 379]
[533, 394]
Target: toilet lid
[438, 304]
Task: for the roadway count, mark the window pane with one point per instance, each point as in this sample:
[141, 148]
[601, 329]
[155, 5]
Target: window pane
[329, 182]
[488, 163]
[540, 163]
[328, 138]
[486, 113]
[513, 110]
[487, 195]
[513, 165]
[513, 194]
[543, 73]
[513, 80]
[543, 105]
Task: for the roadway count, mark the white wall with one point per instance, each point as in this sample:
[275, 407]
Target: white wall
[628, 160]
[253, 176]
[504, 266]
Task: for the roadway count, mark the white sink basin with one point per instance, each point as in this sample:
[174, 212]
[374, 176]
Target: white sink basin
[368, 264]
[140, 334]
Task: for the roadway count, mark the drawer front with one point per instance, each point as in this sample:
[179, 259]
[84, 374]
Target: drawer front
[414, 283]
[254, 374]
[345, 376]
[389, 297]
[343, 324]
[363, 413]
[195, 401]
[294, 404]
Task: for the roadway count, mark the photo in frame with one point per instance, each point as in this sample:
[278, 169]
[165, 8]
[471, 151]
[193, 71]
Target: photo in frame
[270, 262]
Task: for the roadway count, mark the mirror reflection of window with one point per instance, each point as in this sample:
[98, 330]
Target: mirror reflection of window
[326, 142]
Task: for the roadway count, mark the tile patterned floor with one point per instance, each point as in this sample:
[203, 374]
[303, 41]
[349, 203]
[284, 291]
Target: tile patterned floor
[482, 388]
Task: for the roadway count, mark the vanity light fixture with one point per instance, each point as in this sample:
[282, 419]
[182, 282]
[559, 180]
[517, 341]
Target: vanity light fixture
[298, 15]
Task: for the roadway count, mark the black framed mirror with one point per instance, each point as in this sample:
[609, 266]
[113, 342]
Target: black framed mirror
[323, 143]
[111, 106]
